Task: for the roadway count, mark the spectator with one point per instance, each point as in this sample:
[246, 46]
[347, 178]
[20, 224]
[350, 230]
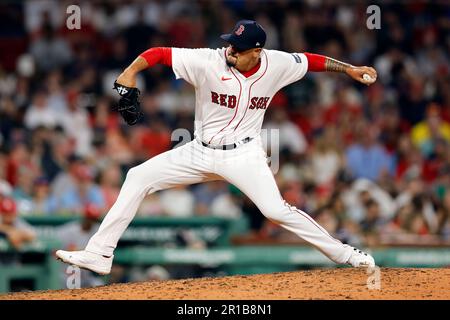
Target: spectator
[81, 193]
[414, 194]
[19, 159]
[291, 137]
[66, 179]
[50, 51]
[425, 133]
[412, 100]
[5, 187]
[16, 230]
[42, 202]
[139, 35]
[324, 216]
[152, 141]
[56, 154]
[40, 113]
[392, 127]
[325, 158]
[10, 120]
[367, 158]
[110, 180]
[272, 40]
[443, 214]
[206, 193]
[104, 121]
[372, 221]
[227, 205]
[118, 58]
[23, 191]
[76, 124]
[56, 93]
[409, 160]
[363, 189]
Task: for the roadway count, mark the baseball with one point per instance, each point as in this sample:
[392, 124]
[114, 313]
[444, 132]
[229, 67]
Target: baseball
[368, 78]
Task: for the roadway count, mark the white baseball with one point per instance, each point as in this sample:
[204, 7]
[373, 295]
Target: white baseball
[368, 78]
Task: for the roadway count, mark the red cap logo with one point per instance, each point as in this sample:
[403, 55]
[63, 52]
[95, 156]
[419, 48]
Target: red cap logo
[239, 31]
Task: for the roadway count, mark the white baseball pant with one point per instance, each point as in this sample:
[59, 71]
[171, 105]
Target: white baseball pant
[245, 166]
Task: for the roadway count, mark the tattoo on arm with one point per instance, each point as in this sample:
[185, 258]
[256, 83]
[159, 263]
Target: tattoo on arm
[335, 65]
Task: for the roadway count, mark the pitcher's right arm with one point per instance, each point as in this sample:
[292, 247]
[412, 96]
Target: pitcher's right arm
[147, 59]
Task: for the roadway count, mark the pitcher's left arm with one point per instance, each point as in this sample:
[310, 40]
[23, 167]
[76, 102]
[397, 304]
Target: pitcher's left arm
[320, 63]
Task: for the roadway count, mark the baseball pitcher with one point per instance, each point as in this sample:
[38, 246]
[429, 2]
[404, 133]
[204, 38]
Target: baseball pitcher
[233, 88]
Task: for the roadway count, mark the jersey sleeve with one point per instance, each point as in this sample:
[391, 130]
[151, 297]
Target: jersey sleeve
[191, 64]
[293, 66]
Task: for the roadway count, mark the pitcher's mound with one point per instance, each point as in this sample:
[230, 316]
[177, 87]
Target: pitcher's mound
[345, 283]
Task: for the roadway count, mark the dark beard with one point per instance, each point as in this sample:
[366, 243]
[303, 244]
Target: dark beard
[230, 64]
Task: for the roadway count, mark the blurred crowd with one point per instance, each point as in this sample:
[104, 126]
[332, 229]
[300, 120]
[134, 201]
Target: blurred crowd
[371, 164]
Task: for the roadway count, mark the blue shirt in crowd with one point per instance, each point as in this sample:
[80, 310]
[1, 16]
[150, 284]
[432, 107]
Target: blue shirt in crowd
[368, 162]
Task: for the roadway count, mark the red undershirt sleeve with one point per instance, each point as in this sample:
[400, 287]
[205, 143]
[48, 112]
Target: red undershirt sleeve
[158, 55]
[316, 62]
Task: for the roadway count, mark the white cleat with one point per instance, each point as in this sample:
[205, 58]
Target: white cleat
[86, 260]
[361, 259]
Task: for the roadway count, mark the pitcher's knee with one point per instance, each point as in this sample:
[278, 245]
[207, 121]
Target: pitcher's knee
[274, 212]
[137, 176]
[133, 173]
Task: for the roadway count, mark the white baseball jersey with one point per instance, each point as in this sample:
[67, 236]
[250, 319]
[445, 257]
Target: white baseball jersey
[229, 106]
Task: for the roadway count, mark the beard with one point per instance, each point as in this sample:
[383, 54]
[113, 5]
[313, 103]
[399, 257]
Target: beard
[231, 63]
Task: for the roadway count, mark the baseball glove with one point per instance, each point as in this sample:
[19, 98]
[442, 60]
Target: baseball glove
[129, 106]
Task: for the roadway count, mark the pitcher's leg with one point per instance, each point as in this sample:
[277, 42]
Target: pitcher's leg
[161, 172]
[258, 183]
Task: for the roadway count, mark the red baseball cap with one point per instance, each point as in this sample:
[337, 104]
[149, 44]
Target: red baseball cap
[91, 211]
[7, 206]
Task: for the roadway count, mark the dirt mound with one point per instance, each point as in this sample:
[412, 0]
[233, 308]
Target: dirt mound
[345, 283]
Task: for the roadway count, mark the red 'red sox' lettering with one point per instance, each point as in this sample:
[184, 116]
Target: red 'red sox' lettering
[259, 102]
[230, 101]
[223, 99]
